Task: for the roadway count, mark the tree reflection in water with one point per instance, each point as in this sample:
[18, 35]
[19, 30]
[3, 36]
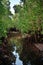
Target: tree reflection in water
[28, 56]
[25, 57]
[18, 61]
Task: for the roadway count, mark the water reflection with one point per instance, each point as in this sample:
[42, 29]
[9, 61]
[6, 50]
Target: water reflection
[18, 61]
[10, 55]
[28, 56]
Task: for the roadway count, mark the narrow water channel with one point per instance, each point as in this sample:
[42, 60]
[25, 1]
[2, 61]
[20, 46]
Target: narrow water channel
[18, 61]
[19, 53]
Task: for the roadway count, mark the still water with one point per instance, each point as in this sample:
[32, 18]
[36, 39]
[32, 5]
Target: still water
[18, 61]
[19, 53]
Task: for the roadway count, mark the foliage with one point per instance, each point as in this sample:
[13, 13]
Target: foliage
[30, 16]
[5, 18]
[27, 18]
[17, 8]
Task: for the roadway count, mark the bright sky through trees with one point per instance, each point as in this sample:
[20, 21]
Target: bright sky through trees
[12, 3]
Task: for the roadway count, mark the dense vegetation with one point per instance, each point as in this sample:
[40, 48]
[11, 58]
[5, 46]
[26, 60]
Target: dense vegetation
[5, 20]
[28, 17]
